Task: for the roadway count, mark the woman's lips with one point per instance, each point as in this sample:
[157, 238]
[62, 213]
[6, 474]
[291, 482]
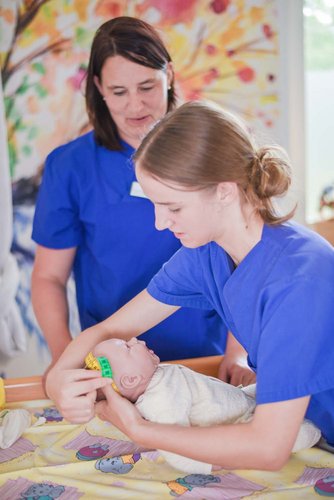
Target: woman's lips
[140, 120]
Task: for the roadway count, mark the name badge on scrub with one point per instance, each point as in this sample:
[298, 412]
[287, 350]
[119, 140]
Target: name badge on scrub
[136, 190]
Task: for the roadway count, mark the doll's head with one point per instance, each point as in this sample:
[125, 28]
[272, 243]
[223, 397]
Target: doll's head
[131, 362]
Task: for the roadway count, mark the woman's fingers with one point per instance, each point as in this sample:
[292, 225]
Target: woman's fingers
[76, 392]
[58, 381]
[243, 376]
[120, 412]
[79, 409]
[236, 374]
[110, 393]
[83, 387]
[79, 382]
[248, 378]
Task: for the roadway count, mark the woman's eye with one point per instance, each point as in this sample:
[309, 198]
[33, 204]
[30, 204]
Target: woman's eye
[146, 89]
[174, 210]
[119, 93]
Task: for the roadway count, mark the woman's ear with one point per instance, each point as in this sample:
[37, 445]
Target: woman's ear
[226, 192]
[98, 84]
[170, 74]
[130, 381]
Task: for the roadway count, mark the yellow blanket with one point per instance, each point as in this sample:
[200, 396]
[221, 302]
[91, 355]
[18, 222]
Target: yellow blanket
[93, 461]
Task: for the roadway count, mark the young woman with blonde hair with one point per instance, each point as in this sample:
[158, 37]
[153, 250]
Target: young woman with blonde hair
[269, 279]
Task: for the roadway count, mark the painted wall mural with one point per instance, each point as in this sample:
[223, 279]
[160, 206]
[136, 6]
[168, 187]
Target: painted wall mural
[223, 50]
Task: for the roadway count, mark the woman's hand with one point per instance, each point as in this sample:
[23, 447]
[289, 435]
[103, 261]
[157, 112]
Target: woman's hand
[234, 368]
[74, 392]
[119, 411]
[236, 371]
[45, 375]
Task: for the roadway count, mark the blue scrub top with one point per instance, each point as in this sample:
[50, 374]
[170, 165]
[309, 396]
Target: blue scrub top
[279, 304]
[84, 201]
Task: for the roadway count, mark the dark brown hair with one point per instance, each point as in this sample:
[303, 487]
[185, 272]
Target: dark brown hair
[199, 145]
[134, 40]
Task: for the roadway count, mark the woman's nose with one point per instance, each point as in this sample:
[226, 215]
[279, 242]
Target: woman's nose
[135, 102]
[162, 219]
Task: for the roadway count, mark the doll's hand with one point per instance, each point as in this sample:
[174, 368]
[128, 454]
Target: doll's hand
[119, 411]
[236, 371]
[74, 392]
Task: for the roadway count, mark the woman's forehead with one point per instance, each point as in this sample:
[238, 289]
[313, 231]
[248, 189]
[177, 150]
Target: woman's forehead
[118, 70]
[162, 192]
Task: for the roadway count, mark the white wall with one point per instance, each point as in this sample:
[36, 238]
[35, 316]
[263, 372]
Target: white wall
[291, 128]
[32, 362]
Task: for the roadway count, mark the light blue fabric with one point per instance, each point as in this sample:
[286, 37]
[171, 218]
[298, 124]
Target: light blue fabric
[85, 202]
[279, 303]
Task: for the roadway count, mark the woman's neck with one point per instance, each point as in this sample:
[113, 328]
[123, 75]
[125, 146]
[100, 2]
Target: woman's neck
[241, 234]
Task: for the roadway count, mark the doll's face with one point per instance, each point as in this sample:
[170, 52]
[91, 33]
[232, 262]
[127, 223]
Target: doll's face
[131, 361]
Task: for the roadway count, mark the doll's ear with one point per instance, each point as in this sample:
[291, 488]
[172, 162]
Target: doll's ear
[130, 381]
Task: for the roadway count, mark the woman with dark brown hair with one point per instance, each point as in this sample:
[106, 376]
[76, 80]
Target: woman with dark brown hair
[93, 218]
[269, 278]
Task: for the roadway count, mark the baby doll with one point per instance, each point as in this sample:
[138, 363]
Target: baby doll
[174, 394]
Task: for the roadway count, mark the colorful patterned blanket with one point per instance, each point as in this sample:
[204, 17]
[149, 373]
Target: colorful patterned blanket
[95, 460]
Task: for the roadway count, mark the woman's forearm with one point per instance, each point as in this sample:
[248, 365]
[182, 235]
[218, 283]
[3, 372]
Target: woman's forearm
[230, 446]
[263, 443]
[134, 318]
[50, 305]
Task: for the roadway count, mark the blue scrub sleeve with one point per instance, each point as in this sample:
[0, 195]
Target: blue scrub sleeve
[295, 355]
[56, 221]
[180, 281]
